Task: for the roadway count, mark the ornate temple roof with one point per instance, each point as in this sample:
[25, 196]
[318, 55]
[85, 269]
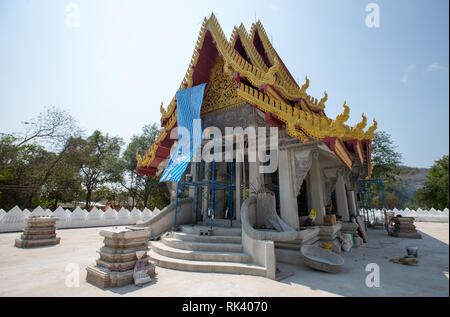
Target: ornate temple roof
[247, 70]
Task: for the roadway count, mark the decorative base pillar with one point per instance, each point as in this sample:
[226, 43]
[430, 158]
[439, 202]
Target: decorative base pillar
[115, 267]
[40, 231]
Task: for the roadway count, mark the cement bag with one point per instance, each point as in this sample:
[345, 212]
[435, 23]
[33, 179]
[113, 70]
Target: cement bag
[358, 242]
[140, 273]
[347, 242]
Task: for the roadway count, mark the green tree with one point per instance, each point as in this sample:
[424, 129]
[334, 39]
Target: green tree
[64, 185]
[19, 181]
[385, 158]
[386, 165]
[100, 153]
[434, 193]
[142, 189]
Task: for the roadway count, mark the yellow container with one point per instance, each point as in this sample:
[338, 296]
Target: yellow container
[326, 246]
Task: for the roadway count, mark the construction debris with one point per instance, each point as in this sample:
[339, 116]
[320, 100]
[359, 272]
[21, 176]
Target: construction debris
[405, 260]
[403, 227]
[361, 229]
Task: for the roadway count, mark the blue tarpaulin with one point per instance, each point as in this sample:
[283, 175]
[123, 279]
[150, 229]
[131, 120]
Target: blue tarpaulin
[189, 104]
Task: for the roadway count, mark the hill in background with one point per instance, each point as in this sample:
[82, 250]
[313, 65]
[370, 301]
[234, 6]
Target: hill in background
[411, 178]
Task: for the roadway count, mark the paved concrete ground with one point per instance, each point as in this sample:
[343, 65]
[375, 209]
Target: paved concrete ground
[42, 271]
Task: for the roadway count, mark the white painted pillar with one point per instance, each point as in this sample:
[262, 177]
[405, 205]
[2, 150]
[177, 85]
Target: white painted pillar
[288, 199]
[238, 191]
[341, 198]
[316, 191]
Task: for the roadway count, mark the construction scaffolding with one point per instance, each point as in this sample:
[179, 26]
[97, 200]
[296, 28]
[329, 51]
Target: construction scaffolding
[207, 191]
[214, 186]
[366, 197]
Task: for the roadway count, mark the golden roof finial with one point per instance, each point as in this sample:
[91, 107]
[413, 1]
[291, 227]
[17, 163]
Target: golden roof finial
[369, 134]
[361, 125]
[306, 84]
[270, 75]
[138, 159]
[323, 100]
[337, 127]
[357, 132]
[344, 115]
[162, 110]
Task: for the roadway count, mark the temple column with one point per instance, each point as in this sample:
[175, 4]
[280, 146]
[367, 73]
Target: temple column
[341, 198]
[316, 191]
[238, 191]
[255, 183]
[351, 202]
[207, 176]
[194, 178]
[288, 199]
[221, 176]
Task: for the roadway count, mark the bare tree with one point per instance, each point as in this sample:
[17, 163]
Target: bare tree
[53, 127]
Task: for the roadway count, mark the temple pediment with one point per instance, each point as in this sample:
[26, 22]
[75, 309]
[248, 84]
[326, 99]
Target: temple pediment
[247, 70]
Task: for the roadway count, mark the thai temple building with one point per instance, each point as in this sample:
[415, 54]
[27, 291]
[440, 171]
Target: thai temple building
[232, 215]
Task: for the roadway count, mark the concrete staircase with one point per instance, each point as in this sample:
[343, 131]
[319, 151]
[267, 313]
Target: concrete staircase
[187, 250]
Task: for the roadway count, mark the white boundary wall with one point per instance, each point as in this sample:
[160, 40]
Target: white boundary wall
[431, 215]
[15, 219]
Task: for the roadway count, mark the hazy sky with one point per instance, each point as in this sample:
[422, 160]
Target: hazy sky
[113, 71]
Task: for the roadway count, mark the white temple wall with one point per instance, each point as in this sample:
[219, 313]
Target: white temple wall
[16, 219]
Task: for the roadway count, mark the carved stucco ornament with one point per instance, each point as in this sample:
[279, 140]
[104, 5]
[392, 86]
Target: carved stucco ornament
[331, 175]
[302, 164]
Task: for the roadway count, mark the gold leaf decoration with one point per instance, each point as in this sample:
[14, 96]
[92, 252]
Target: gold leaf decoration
[221, 92]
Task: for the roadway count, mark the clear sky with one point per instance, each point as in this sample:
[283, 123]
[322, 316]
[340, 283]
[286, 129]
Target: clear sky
[113, 71]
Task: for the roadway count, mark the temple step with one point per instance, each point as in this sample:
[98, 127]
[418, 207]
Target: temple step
[288, 256]
[225, 223]
[206, 266]
[219, 256]
[217, 231]
[201, 246]
[193, 249]
[211, 239]
[287, 245]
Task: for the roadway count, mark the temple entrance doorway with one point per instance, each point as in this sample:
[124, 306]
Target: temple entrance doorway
[302, 200]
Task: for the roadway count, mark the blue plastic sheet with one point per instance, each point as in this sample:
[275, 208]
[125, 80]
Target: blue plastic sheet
[189, 104]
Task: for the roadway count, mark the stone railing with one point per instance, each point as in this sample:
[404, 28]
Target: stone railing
[261, 250]
[248, 211]
[431, 215]
[15, 219]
